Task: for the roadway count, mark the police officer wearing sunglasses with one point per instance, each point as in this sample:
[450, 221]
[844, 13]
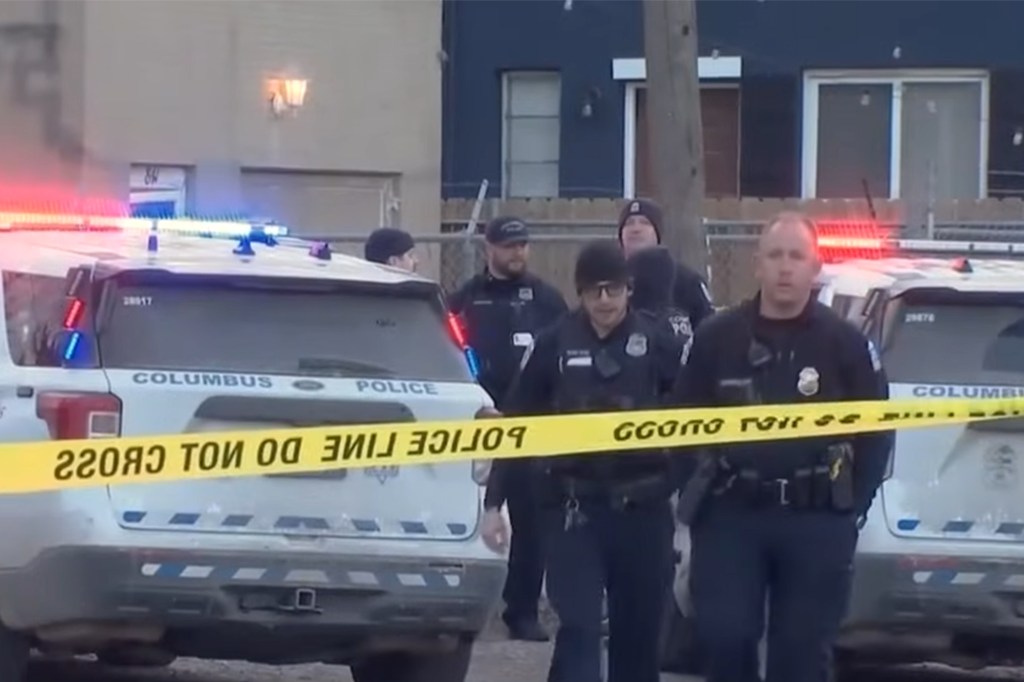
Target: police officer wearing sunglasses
[607, 516]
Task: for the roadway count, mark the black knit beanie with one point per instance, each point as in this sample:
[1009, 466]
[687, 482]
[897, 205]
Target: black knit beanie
[645, 207]
[654, 273]
[386, 242]
[600, 261]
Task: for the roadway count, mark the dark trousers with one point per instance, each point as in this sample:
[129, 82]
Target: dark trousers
[526, 555]
[627, 553]
[800, 560]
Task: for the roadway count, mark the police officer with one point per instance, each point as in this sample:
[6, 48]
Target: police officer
[653, 273]
[640, 226]
[503, 308]
[609, 524]
[778, 518]
[391, 246]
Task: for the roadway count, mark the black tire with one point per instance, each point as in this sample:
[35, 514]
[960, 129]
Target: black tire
[14, 653]
[452, 666]
[127, 658]
[679, 651]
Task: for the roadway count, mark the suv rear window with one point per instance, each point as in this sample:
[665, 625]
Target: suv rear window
[956, 340]
[279, 330]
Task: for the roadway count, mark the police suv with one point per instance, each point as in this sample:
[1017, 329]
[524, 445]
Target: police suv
[940, 562]
[131, 327]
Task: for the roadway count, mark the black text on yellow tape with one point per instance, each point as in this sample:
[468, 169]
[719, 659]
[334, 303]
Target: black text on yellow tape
[50, 465]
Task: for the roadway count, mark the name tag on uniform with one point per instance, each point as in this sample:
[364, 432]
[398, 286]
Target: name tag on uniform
[522, 339]
[579, 361]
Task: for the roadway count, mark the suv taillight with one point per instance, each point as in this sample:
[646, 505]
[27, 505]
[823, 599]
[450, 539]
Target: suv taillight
[72, 416]
[482, 467]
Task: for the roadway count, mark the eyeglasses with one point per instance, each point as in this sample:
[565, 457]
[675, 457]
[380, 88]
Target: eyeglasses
[609, 289]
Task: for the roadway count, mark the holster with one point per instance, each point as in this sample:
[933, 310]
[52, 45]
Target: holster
[839, 464]
[697, 488]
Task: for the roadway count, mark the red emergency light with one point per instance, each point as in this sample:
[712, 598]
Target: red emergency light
[840, 240]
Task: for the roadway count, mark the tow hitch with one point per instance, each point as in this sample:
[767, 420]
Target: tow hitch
[299, 601]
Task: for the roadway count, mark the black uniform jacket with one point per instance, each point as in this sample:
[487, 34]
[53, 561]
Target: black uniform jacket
[502, 316]
[816, 357]
[570, 369]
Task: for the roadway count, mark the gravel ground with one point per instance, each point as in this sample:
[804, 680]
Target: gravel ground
[495, 661]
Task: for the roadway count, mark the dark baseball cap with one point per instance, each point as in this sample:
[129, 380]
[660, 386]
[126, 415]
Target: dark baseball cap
[506, 230]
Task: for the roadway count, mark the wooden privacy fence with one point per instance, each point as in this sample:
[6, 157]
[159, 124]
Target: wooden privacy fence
[453, 258]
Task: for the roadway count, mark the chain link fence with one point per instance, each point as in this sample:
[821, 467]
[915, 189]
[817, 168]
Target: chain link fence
[453, 257]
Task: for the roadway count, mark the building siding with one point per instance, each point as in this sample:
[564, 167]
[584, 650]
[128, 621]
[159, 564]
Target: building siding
[182, 84]
[777, 40]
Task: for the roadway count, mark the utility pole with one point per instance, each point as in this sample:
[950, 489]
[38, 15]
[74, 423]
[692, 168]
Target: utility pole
[675, 138]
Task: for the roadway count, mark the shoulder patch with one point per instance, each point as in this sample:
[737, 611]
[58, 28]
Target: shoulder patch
[876, 360]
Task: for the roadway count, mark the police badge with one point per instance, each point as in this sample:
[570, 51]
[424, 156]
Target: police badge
[526, 294]
[808, 382]
[636, 345]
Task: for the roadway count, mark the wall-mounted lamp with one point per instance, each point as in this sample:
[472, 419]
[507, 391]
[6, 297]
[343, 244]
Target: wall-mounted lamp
[590, 101]
[286, 95]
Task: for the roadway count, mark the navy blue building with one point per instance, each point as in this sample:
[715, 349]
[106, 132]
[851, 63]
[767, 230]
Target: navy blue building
[810, 98]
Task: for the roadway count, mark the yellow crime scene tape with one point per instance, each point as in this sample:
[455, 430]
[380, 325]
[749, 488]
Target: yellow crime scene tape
[55, 465]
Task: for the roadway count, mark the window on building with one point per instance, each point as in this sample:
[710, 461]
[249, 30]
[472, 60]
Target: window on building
[158, 191]
[913, 137]
[531, 133]
[720, 114]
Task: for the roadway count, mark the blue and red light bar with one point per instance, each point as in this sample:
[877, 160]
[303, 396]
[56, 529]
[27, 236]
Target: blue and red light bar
[458, 334]
[70, 222]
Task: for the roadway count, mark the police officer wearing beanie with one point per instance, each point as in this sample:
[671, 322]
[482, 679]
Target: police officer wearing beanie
[608, 520]
[503, 308]
[393, 247]
[640, 225]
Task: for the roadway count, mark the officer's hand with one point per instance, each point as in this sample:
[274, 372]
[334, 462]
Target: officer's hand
[488, 413]
[494, 531]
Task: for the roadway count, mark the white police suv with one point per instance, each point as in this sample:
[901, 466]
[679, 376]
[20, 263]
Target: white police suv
[128, 327]
[940, 563]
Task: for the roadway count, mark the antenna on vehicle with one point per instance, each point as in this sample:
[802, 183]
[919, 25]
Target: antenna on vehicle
[867, 195]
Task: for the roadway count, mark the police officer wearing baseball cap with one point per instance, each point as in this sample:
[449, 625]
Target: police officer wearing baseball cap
[640, 225]
[503, 308]
[391, 246]
[608, 520]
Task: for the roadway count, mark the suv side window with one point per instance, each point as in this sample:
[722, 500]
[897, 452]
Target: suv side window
[33, 305]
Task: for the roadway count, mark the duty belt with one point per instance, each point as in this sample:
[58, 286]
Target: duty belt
[619, 494]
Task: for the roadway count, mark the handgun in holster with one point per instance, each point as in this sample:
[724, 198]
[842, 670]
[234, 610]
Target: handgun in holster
[697, 487]
[839, 467]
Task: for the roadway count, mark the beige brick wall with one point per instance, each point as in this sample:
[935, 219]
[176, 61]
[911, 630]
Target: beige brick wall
[181, 82]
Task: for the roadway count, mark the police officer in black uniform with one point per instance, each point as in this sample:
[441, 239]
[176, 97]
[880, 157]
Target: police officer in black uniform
[640, 226]
[654, 275]
[608, 517]
[778, 518]
[503, 308]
